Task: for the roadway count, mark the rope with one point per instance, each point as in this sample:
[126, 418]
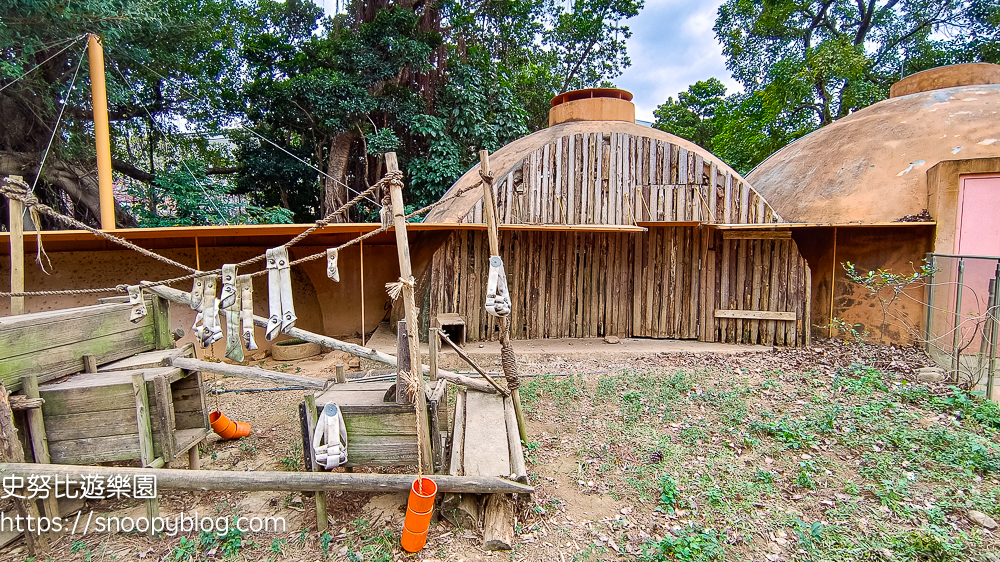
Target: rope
[19, 195]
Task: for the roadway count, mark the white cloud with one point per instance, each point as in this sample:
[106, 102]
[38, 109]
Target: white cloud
[672, 46]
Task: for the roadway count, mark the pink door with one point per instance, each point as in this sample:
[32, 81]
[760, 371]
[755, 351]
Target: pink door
[978, 235]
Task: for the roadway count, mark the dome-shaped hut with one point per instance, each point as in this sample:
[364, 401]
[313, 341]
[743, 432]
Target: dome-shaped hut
[884, 187]
[612, 228]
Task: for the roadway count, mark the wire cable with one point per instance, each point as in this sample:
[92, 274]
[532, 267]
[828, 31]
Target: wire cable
[39, 65]
[167, 138]
[55, 128]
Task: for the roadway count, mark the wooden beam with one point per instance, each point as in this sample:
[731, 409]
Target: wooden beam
[756, 234]
[184, 298]
[498, 523]
[402, 364]
[256, 481]
[11, 452]
[145, 437]
[322, 520]
[433, 346]
[465, 356]
[410, 311]
[39, 442]
[755, 314]
[16, 214]
[249, 373]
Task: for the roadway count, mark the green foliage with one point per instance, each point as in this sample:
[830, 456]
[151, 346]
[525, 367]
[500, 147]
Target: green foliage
[185, 550]
[691, 544]
[668, 493]
[229, 543]
[692, 116]
[793, 433]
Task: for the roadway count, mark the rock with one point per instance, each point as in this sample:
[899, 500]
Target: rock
[982, 519]
[930, 375]
[338, 357]
[260, 355]
[354, 362]
[611, 339]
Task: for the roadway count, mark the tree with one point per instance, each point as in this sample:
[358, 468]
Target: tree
[805, 63]
[589, 40]
[150, 48]
[692, 116]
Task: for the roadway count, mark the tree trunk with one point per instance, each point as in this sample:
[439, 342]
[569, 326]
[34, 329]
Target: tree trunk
[336, 180]
[78, 183]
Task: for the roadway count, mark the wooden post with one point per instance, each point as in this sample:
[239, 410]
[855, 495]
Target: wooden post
[10, 451]
[490, 207]
[145, 437]
[89, 363]
[341, 375]
[194, 461]
[99, 95]
[322, 522]
[39, 441]
[16, 209]
[410, 310]
[402, 364]
[433, 346]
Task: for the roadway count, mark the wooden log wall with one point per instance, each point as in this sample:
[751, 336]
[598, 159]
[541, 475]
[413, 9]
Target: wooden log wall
[667, 282]
[618, 178]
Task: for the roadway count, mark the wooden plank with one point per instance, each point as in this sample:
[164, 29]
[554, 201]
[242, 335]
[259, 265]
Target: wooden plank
[778, 248]
[486, 450]
[783, 300]
[458, 435]
[106, 423]
[755, 314]
[755, 291]
[712, 325]
[662, 289]
[805, 338]
[756, 235]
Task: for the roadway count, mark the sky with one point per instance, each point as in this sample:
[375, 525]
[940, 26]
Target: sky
[672, 46]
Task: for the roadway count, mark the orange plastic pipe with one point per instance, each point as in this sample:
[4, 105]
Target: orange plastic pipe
[418, 514]
[226, 428]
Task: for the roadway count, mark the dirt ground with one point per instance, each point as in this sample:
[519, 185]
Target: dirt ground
[716, 455]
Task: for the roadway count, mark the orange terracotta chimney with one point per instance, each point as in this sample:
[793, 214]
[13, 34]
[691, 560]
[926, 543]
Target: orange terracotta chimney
[592, 104]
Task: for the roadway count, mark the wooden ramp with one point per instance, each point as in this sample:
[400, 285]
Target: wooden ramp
[485, 442]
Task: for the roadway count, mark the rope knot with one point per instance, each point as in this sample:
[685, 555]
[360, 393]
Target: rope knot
[396, 288]
[488, 178]
[121, 288]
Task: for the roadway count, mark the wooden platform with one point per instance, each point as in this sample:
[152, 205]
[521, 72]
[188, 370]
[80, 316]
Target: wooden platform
[379, 433]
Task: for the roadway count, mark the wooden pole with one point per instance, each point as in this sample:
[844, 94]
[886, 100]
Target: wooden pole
[490, 207]
[472, 363]
[183, 297]
[16, 214]
[833, 282]
[410, 310]
[341, 375]
[402, 364]
[39, 441]
[11, 452]
[433, 346]
[145, 436]
[322, 520]
[256, 481]
[102, 132]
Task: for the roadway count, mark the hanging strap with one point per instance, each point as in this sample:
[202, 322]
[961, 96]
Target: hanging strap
[138, 304]
[285, 283]
[197, 293]
[244, 284]
[210, 315]
[497, 297]
[230, 303]
[330, 438]
[273, 297]
[332, 269]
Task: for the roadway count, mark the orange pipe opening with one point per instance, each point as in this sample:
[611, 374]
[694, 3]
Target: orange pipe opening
[226, 428]
[418, 514]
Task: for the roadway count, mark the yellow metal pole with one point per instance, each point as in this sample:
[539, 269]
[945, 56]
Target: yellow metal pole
[99, 93]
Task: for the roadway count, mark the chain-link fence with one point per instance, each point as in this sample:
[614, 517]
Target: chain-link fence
[962, 324]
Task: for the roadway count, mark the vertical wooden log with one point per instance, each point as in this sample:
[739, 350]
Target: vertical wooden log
[322, 523]
[410, 309]
[16, 215]
[164, 413]
[38, 439]
[11, 451]
[162, 336]
[194, 461]
[433, 346]
[145, 436]
[89, 363]
[498, 523]
[341, 375]
[402, 364]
